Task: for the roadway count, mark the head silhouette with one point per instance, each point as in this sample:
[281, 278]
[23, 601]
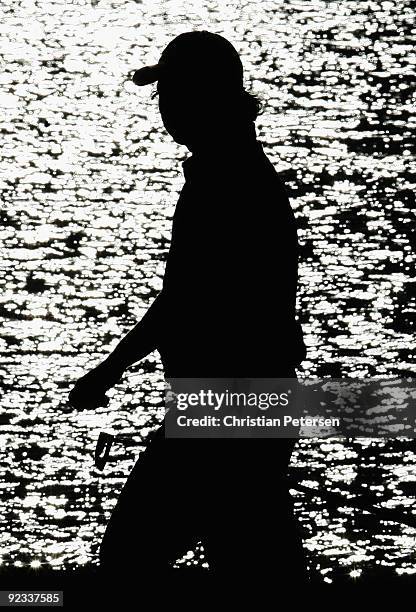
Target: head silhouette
[200, 85]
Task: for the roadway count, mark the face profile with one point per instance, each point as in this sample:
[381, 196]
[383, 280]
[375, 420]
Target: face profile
[195, 114]
[200, 88]
[180, 109]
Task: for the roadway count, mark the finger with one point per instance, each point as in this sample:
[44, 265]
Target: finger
[102, 402]
[76, 399]
[91, 403]
[85, 402]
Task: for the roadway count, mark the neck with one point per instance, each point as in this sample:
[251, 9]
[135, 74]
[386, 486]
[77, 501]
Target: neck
[225, 137]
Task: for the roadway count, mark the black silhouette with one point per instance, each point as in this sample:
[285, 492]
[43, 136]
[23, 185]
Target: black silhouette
[227, 308]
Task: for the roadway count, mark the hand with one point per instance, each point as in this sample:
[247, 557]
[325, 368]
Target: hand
[90, 390]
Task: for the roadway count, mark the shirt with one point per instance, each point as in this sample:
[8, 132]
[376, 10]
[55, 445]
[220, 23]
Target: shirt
[227, 307]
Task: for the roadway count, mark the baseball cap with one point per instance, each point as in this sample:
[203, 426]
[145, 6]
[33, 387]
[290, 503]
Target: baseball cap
[197, 56]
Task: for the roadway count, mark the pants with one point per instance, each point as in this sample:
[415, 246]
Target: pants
[230, 494]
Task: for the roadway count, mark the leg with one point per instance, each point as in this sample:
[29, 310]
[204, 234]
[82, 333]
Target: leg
[256, 535]
[147, 531]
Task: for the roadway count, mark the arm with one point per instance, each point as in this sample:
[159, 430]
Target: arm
[140, 341]
[89, 391]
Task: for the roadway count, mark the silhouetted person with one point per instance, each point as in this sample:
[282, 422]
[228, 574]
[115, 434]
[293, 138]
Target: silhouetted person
[227, 309]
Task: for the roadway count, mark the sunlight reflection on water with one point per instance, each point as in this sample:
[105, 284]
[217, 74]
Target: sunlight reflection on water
[89, 184]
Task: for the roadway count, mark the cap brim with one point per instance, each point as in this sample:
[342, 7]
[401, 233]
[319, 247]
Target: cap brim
[146, 75]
